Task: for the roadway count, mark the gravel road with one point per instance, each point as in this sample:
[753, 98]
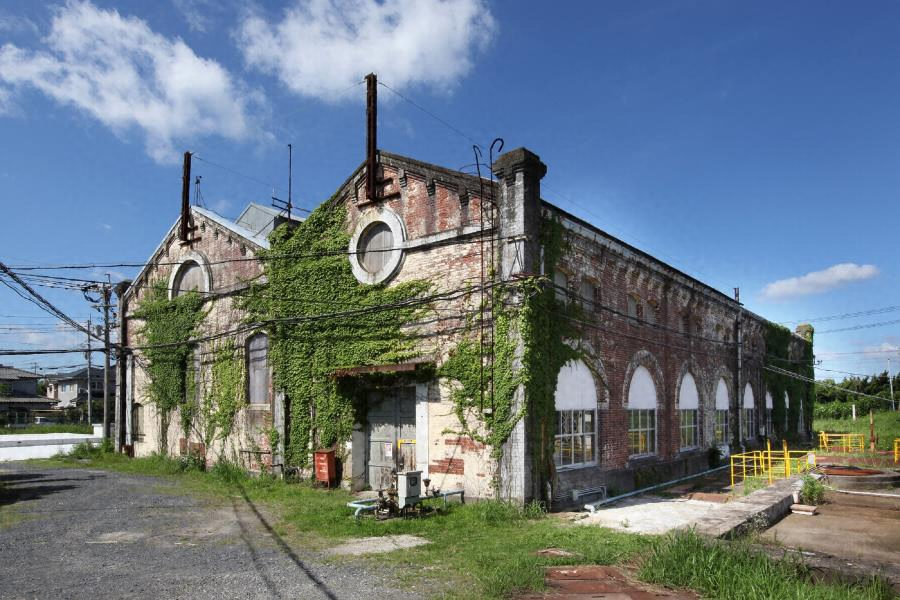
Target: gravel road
[80, 533]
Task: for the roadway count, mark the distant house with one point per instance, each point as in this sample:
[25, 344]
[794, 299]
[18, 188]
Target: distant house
[70, 389]
[18, 396]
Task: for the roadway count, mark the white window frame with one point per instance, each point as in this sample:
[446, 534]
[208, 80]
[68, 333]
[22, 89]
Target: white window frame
[572, 416]
[691, 424]
[721, 426]
[642, 429]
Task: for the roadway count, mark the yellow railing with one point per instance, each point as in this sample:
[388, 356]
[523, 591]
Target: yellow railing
[841, 442]
[896, 449]
[768, 465]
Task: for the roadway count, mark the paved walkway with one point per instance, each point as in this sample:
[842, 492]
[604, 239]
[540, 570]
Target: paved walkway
[76, 533]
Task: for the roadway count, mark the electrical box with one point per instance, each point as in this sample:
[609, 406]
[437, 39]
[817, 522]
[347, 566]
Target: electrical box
[326, 473]
[409, 488]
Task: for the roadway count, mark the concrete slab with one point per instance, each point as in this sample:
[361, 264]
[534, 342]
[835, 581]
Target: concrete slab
[650, 514]
[856, 528]
[377, 545]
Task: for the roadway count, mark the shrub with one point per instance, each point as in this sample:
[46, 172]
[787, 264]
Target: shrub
[813, 490]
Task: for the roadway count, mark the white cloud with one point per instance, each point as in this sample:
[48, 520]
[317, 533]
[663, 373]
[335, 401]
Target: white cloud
[320, 47]
[16, 24]
[125, 75]
[817, 282]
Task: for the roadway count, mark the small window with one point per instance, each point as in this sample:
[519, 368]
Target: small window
[770, 428]
[586, 295]
[721, 426]
[748, 422]
[690, 428]
[375, 247]
[631, 306]
[561, 286]
[258, 369]
[137, 421]
[598, 299]
[641, 432]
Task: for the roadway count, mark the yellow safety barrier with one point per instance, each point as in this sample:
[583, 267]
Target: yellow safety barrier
[768, 465]
[841, 442]
[896, 449]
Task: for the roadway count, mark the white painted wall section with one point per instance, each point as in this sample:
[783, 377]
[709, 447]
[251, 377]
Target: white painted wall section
[575, 389]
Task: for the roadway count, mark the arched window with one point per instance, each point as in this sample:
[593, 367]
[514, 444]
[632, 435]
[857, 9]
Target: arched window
[375, 245]
[748, 414]
[257, 357]
[769, 408]
[688, 412]
[723, 401]
[641, 413]
[576, 416]
[188, 279]
[800, 424]
[787, 409]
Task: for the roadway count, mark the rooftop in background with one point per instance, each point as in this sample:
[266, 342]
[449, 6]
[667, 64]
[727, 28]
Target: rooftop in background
[96, 372]
[14, 374]
[261, 219]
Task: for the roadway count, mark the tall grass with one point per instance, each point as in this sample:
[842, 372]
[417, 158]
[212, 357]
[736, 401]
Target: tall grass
[887, 427]
[735, 570]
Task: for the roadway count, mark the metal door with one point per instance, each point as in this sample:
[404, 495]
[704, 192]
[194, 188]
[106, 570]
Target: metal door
[391, 434]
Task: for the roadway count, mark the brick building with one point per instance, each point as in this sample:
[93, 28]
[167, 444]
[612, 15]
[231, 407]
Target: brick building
[666, 366]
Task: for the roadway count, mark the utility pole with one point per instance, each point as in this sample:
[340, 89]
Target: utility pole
[89, 416]
[891, 384]
[106, 295]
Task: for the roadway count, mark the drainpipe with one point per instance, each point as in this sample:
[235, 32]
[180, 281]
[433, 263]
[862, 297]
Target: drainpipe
[739, 326]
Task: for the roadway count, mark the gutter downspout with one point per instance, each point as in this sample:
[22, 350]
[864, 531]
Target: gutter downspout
[593, 506]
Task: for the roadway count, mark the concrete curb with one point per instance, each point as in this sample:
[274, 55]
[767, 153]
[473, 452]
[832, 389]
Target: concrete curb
[760, 509]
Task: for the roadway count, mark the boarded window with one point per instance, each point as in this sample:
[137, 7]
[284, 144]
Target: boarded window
[561, 285]
[586, 294]
[375, 245]
[258, 369]
[632, 306]
[137, 421]
[189, 279]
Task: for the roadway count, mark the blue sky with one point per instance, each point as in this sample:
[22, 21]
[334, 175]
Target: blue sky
[748, 144]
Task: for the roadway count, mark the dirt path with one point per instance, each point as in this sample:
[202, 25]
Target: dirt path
[77, 533]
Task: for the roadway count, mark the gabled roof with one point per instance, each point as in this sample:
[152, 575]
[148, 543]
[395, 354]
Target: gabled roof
[14, 374]
[79, 374]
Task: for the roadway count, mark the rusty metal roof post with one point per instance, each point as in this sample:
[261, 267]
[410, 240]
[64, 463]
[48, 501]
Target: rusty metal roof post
[185, 199]
[371, 135]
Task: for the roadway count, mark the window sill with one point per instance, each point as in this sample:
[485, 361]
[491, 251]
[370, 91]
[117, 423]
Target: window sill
[576, 467]
[640, 457]
[258, 407]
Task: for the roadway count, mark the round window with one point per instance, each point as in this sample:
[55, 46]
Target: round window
[375, 245]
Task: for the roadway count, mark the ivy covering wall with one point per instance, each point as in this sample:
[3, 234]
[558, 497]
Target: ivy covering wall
[167, 325]
[305, 354]
[778, 342]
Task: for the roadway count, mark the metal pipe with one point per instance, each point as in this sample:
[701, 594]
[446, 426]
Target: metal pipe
[592, 507]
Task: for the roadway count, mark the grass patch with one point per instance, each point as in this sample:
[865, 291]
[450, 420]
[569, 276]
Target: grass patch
[887, 427]
[486, 550]
[58, 428]
[735, 570]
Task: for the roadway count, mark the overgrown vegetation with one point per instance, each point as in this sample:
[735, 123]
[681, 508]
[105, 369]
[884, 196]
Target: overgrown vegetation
[167, 325]
[813, 490]
[487, 550]
[305, 354]
[835, 400]
[735, 570]
[887, 427]
[778, 341]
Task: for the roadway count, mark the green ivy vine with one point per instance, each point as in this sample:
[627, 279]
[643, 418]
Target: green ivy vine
[305, 355]
[168, 324]
[778, 340]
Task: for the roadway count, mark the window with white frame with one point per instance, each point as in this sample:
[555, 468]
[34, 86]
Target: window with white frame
[258, 369]
[723, 401]
[748, 415]
[641, 413]
[575, 443]
[689, 412]
[769, 409]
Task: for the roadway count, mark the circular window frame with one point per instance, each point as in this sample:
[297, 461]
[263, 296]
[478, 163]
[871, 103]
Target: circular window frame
[395, 257]
[191, 257]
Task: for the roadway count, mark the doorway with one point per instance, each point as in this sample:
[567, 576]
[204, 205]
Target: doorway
[391, 434]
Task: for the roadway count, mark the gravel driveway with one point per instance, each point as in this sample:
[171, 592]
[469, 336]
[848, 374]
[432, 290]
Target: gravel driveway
[83, 533]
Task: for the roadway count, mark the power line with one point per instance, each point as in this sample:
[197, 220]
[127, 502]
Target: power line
[864, 326]
[822, 383]
[862, 313]
[446, 124]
